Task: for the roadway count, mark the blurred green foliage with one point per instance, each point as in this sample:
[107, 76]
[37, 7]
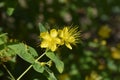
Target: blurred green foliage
[99, 51]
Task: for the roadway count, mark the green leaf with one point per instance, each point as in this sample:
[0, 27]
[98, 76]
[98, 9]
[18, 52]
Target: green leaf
[4, 34]
[88, 52]
[10, 52]
[3, 38]
[93, 44]
[50, 75]
[21, 50]
[112, 66]
[1, 73]
[42, 28]
[32, 51]
[10, 11]
[58, 63]
[15, 47]
[25, 55]
[37, 67]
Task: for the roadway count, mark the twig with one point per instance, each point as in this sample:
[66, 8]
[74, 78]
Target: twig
[8, 72]
[30, 67]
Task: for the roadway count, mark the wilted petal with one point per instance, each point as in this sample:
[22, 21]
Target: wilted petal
[53, 33]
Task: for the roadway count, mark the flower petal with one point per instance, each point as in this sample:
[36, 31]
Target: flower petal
[68, 45]
[57, 41]
[53, 33]
[65, 30]
[61, 34]
[71, 39]
[53, 47]
[45, 35]
[44, 44]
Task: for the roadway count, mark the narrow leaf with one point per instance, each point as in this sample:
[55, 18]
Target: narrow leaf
[58, 63]
[50, 75]
[42, 28]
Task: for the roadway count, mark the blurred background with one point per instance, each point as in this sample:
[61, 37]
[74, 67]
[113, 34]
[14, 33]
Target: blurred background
[97, 57]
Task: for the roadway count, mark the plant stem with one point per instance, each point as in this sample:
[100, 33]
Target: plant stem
[30, 67]
[8, 72]
[24, 72]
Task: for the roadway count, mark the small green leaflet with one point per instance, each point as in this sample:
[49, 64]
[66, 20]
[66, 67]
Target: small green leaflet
[50, 75]
[42, 28]
[3, 38]
[58, 63]
[10, 11]
[37, 67]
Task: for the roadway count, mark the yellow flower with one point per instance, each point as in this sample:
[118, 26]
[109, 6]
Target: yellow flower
[115, 53]
[50, 41]
[101, 67]
[103, 42]
[93, 76]
[104, 31]
[64, 76]
[69, 36]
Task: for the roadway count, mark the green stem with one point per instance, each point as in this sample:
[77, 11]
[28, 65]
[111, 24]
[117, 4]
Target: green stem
[30, 67]
[12, 77]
